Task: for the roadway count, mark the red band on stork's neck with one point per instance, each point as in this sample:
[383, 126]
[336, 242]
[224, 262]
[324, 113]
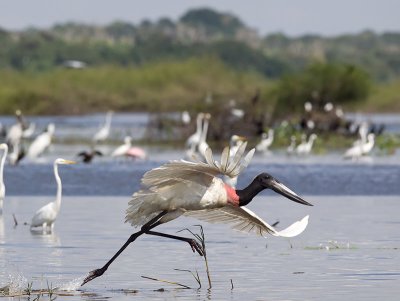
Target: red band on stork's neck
[233, 198]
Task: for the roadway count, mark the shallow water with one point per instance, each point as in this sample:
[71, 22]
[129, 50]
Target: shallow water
[351, 248]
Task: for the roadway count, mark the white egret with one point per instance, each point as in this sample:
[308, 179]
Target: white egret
[292, 147]
[304, 148]
[14, 134]
[195, 189]
[46, 215]
[362, 132]
[104, 131]
[234, 144]
[122, 149]
[185, 117]
[361, 148]
[194, 140]
[41, 143]
[27, 133]
[3, 147]
[203, 145]
[266, 141]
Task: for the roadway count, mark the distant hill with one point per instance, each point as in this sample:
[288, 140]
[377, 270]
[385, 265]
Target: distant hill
[199, 32]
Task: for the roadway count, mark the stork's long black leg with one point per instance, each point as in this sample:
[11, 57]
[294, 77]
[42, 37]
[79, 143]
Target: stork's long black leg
[192, 242]
[146, 229]
[149, 225]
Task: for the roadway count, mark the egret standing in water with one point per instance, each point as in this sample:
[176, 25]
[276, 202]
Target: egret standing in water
[305, 147]
[195, 189]
[46, 215]
[292, 146]
[203, 145]
[361, 148]
[266, 141]
[104, 131]
[193, 141]
[3, 147]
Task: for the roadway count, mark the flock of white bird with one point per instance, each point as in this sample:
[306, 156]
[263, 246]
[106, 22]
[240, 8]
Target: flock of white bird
[196, 144]
[46, 216]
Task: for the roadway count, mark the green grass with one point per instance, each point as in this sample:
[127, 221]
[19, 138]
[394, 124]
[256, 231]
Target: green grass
[163, 86]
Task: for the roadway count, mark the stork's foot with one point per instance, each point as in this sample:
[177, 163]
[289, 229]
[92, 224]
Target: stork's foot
[196, 247]
[92, 275]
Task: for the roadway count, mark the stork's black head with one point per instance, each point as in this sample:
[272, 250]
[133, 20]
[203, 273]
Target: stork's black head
[268, 181]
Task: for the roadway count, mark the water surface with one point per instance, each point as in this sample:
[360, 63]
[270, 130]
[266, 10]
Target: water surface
[350, 248]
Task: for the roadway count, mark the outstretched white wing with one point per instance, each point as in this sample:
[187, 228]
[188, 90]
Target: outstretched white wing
[245, 220]
[180, 184]
[198, 172]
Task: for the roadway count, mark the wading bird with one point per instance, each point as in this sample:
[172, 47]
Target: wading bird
[136, 152]
[104, 131]
[29, 131]
[361, 148]
[234, 144]
[14, 134]
[46, 215]
[195, 189]
[87, 156]
[304, 148]
[16, 155]
[203, 145]
[3, 147]
[194, 140]
[266, 141]
[121, 150]
[42, 142]
[292, 146]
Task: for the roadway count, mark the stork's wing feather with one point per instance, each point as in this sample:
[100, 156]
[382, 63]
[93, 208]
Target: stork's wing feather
[245, 220]
[181, 183]
[199, 172]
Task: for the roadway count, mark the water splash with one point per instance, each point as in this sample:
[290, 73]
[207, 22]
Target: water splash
[17, 283]
[72, 285]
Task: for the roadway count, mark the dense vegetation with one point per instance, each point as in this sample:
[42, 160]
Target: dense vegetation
[171, 65]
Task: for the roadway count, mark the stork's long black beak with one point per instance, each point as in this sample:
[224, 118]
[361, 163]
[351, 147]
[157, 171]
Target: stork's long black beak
[286, 192]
